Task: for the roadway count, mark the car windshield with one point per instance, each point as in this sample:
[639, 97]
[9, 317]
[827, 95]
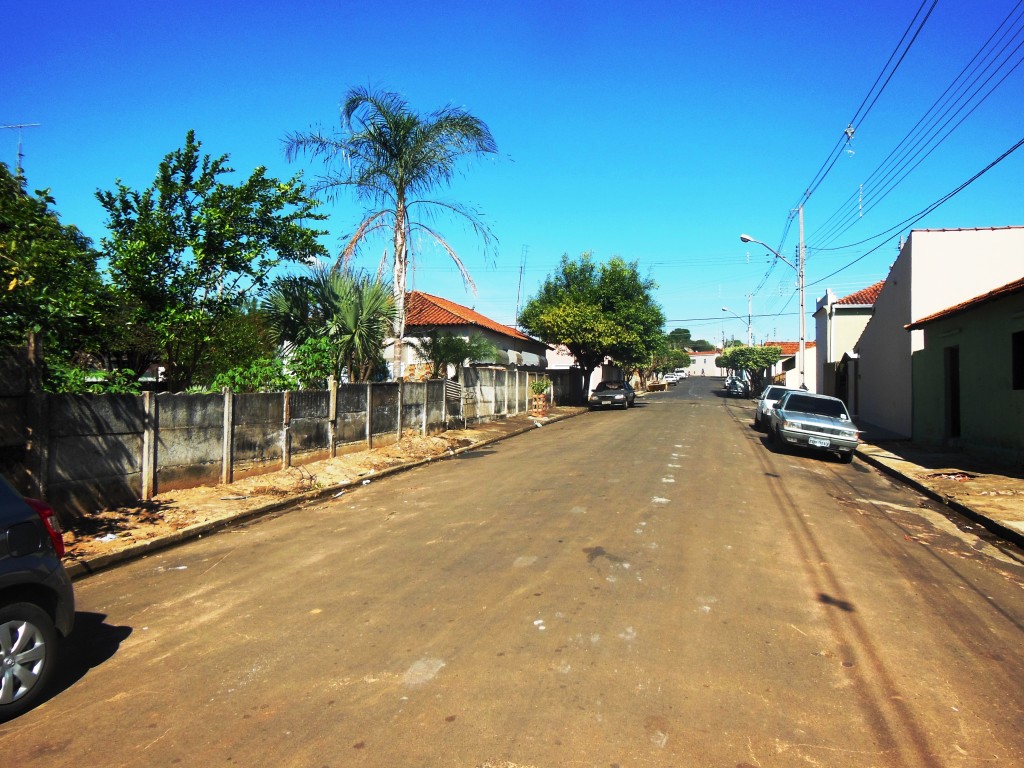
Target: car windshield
[774, 393]
[816, 405]
[609, 385]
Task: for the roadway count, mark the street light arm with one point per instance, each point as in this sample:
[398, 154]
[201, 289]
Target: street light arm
[749, 239]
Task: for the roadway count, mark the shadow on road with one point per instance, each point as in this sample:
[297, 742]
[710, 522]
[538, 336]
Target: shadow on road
[92, 642]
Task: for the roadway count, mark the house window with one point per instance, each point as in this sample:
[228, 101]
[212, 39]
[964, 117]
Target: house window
[1017, 360]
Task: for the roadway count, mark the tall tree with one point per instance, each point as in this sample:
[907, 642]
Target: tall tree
[189, 250]
[49, 282]
[352, 313]
[597, 311]
[396, 159]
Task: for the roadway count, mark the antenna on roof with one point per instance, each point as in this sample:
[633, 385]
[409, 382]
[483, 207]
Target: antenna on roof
[17, 127]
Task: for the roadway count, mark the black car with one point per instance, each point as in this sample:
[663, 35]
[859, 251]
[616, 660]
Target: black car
[37, 603]
[612, 394]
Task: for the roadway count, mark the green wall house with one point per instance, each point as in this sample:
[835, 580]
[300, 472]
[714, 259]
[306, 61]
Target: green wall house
[968, 380]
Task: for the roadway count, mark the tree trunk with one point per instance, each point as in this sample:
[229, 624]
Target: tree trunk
[398, 281]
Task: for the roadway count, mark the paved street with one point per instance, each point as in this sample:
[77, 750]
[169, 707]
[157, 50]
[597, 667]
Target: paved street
[644, 588]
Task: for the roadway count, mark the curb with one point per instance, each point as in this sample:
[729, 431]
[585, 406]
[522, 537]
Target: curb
[83, 568]
[1004, 532]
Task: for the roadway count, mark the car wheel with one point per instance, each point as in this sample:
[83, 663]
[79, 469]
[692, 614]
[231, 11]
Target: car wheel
[28, 654]
[846, 458]
[757, 423]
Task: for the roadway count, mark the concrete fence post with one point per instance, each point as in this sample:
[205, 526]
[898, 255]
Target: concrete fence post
[286, 443]
[426, 405]
[401, 404]
[227, 454]
[369, 415]
[332, 415]
[149, 417]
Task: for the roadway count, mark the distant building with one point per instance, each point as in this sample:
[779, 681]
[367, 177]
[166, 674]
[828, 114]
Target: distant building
[424, 313]
[838, 325]
[787, 371]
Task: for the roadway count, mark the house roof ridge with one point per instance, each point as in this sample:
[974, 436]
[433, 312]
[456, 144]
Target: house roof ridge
[1010, 288]
[446, 311]
[863, 297]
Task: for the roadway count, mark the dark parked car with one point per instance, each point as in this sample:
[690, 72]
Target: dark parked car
[37, 604]
[612, 394]
[813, 421]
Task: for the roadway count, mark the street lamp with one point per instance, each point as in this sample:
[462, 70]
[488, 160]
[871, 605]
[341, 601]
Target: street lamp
[799, 267]
[750, 337]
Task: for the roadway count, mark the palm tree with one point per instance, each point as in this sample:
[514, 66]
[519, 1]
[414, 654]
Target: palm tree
[395, 159]
[442, 349]
[354, 312]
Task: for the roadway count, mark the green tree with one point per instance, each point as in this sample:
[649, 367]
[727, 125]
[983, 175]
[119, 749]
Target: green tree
[754, 360]
[354, 313]
[442, 349]
[188, 251]
[597, 311]
[49, 281]
[396, 159]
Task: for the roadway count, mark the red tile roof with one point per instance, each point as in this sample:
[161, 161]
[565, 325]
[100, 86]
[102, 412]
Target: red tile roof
[789, 347]
[424, 310]
[1004, 290]
[865, 296]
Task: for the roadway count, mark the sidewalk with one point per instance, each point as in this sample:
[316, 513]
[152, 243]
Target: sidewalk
[976, 490]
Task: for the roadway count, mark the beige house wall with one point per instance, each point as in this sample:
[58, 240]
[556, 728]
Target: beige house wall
[837, 330]
[935, 269]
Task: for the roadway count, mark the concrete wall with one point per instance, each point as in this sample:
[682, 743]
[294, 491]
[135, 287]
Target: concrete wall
[936, 269]
[991, 410]
[189, 442]
[101, 451]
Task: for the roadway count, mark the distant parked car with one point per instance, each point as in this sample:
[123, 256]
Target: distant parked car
[813, 421]
[738, 388]
[765, 403]
[37, 604]
[670, 379]
[612, 394]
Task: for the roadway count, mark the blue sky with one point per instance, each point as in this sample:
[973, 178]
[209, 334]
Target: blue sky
[657, 131]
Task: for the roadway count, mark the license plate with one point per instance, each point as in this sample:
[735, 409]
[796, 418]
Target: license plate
[817, 442]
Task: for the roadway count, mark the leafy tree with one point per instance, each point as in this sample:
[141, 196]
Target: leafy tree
[189, 250]
[395, 159]
[353, 312]
[754, 360]
[265, 374]
[680, 338]
[49, 282]
[442, 349]
[597, 311]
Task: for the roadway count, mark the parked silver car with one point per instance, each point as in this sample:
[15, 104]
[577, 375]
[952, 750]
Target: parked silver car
[813, 421]
[765, 404]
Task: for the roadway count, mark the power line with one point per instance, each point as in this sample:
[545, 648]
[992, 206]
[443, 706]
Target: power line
[921, 214]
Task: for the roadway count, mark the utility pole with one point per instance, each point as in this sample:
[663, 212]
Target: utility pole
[801, 257]
[18, 127]
[750, 315]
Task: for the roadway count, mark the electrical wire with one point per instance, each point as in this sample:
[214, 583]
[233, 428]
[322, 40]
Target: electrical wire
[924, 138]
[861, 114]
[924, 212]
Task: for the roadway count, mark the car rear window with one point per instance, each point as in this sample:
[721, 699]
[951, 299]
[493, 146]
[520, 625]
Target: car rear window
[609, 385]
[804, 404]
[774, 393]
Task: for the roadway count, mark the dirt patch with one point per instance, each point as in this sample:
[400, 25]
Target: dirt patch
[111, 530]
